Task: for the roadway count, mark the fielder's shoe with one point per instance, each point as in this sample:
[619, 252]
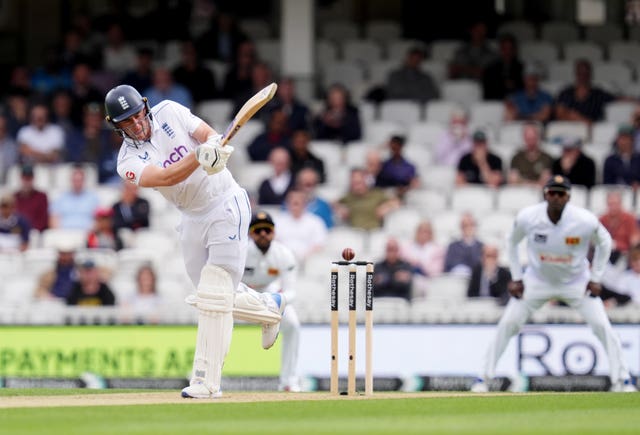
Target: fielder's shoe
[270, 332]
[479, 386]
[291, 388]
[625, 386]
[198, 390]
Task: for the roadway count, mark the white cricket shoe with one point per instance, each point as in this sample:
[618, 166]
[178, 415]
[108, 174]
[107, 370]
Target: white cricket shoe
[198, 390]
[625, 386]
[479, 386]
[270, 332]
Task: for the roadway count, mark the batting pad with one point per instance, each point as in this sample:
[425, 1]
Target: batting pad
[215, 325]
[251, 306]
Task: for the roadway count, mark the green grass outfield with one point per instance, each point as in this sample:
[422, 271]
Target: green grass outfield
[531, 413]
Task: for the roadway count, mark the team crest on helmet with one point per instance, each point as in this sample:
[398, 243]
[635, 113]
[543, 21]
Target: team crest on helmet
[123, 102]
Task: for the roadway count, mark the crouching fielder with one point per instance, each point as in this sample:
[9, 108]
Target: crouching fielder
[558, 239]
[271, 268]
[168, 148]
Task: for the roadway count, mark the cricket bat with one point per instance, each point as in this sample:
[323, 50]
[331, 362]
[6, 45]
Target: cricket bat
[247, 111]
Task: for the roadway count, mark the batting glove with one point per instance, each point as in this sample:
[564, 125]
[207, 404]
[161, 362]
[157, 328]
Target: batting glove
[212, 156]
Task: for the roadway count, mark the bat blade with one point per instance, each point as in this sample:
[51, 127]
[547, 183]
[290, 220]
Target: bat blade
[247, 111]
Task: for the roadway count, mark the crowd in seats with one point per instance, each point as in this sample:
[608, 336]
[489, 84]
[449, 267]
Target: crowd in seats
[405, 139]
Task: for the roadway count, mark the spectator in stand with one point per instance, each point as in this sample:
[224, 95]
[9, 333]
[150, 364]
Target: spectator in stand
[530, 165]
[530, 103]
[471, 59]
[372, 166]
[90, 142]
[574, 164]
[117, 55]
[397, 171]
[623, 165]
[261, 77]
[8, 149]
[90, 290]
[622, 226]
[103, 234]
[74, 209]
[275, 136]
[222, 40]
[83, 92]
[425, 255]
[30, 202]
[131, 211]
[145, 304]
[628, 284]
[57, 282]
[503, 76]
[274, 189]
[488, 278]
[238, 78]
[394, 276]
[141, 77]
[302, 157]
[14, 228]
[582, 101]
[193, 75]
[364, 207]
[286, 101]
[480, 166]
[635, 122]
[108, 161]
[40, 141]
[298, 229]
[164, 88]
[62, 115]
[17, 110]
[339, 119]
[463, 254]
[409, 82]
[50, 75]
[455, 142]
[307, 180]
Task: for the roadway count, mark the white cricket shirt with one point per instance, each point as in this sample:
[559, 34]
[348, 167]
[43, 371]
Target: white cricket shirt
[557, 253]
[172, 124]
[272, 271]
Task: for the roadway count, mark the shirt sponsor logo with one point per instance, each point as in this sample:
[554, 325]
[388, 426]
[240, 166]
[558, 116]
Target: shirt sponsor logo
[273, 271]
[131, 176]
[540, 238]
[168, 130]
[144, 157]
[177, 155]
[556, 259]
[572, 241]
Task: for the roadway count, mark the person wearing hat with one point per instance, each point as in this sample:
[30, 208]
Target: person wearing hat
[14, 228]
[574, 164]
[103, 234]
[623, 165]
[56, 283]
[32, 203]
[89, 290]
[272, 268]
[480, 166]
[559, 236]
[531, 103]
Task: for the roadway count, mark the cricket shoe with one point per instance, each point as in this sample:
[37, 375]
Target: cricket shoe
[270, 332]
[198, 390]
[479, 386]
[625, 386]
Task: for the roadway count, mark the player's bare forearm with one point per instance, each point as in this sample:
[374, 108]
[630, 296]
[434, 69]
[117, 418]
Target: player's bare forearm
[203, 131]
[594, 288]
[153, 176]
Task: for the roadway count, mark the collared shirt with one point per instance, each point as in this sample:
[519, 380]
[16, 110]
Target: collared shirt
[272, 271]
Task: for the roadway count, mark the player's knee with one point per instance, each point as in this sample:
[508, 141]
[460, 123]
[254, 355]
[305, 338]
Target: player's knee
[215, 289]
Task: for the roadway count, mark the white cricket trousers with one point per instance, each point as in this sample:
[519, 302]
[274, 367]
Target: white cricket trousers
[592, 310]
[218, 237]
[290, 329]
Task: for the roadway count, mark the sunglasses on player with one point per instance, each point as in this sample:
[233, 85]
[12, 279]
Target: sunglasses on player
[558, 193]
[261, 230]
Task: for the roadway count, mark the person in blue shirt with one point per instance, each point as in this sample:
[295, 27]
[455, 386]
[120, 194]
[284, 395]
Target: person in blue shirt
[530, 103]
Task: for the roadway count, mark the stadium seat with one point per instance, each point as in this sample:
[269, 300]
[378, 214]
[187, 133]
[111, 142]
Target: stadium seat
[11, 264]
[391, 310]
[560, 129]
[554, 87]
[270, 52]
[463, 92]
[255, 28]
[493, 227]
[436, 69]
[418, 154]
[521, 30]
[215, 112]
[379, 71]
[428, 202]
[401, 112]
[574, 50]
[326, 51]
[396, 50]
[54, 237]
[402, 222]
[251, 177]
[613, 75]
[355, 153]
[440, 111]
[368, 111]
[511, 198]
[61, 176]
[18, 291]
[361, 51]
[624, 51]
[559, 31]
[339, 30]
[439, 177]
[108, 194]
[444, 49]
[561, 71]
[219, 70]
[446, 226]
[543, 52]
[448, 288]
[476, 199]
[511, 133]
[619, 112]
[598, 197]
[426, 133]
[349, 74]
[382, 30]
[603, 34]
[604, 133]
[330, 152]
[42, 177]
[580, 196]
[379, 132]
[487, 114]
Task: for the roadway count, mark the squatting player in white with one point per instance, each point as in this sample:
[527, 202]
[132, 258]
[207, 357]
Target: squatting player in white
[170, 149]
[558, 238]
[271, 267]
